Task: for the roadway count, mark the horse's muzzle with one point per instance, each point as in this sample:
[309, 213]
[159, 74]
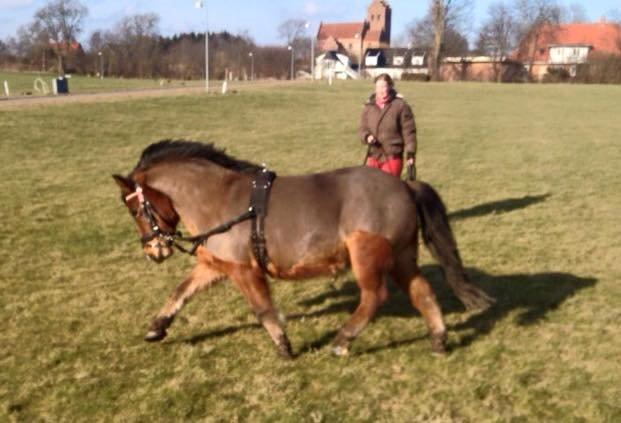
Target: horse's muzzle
[158, 250]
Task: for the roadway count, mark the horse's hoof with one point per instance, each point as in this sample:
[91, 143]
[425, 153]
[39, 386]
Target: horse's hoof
[285, 354]
[284, 348]
[340, 351]
[155, 335]
[438, 344]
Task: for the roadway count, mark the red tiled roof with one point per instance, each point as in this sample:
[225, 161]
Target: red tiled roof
[73, 46]
[340, 30]
[602, 37]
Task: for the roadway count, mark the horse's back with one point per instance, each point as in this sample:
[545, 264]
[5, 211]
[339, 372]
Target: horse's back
[312, 215]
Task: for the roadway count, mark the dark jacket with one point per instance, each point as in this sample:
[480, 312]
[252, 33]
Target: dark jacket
[393, 126]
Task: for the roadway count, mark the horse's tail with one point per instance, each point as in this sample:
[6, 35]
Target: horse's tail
[440, 241]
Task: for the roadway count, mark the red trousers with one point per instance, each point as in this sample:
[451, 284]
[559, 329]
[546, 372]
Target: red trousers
[394, 165]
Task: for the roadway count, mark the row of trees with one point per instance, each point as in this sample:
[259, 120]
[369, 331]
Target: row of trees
[134, 47]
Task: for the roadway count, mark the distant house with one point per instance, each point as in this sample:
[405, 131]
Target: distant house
[352, 38]
[567, 45]
[332, 64]
[395, 62]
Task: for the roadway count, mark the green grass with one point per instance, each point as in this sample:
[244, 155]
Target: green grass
[530, 174]
[23, 83]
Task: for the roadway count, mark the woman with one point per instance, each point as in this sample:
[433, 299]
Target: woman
[387, 126]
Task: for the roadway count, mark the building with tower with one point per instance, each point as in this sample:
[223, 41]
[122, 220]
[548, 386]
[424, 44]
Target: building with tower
[354, 38]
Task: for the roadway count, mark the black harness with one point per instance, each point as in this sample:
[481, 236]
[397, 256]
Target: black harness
[257, 210]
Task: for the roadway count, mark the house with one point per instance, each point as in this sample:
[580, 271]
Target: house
[333, 64]
[567, 45]
[352, 38]
[395, 61]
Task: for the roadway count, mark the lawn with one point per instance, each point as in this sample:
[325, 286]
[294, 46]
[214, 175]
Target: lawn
[530, 174]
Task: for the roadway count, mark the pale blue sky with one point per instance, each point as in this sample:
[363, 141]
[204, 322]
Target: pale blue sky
[259, 18]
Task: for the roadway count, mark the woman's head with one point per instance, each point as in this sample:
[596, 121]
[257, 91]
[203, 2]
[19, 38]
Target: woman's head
[383, 85]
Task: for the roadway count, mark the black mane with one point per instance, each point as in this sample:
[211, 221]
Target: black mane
[179, 150]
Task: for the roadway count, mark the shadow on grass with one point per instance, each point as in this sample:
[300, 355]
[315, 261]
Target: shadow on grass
[531, 295]
[497, 207]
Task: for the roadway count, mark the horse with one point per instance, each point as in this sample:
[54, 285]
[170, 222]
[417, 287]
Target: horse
[354, 218]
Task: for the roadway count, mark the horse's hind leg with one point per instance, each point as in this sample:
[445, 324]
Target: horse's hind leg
[200, 277]
[408, 276]
[370, 256]
[253, 286]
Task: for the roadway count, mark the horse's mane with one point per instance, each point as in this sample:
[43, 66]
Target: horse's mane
[181, 150]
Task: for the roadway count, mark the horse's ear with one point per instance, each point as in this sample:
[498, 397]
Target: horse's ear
[126, 185]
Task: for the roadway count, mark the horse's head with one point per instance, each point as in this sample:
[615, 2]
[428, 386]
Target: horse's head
[154, 215]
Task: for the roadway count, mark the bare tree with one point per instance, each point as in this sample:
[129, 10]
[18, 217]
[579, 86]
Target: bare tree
[497, 34]
[291, 29]
[420, 35]
[444, 14]
[31, 45]
[535, 21]
[61, 22]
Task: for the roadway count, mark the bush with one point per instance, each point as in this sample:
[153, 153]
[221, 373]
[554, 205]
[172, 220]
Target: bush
[601, 69]
[556, 75]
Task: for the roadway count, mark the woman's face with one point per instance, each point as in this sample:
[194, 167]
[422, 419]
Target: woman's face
[381, 88]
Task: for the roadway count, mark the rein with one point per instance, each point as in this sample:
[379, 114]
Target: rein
[256, 211]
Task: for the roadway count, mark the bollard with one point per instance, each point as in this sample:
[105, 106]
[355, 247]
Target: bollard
[6, 89]
[224, 87]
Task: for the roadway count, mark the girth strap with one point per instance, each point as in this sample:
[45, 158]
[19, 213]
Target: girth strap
[261, 187]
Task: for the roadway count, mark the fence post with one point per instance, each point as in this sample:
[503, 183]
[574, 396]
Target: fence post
[6, 89]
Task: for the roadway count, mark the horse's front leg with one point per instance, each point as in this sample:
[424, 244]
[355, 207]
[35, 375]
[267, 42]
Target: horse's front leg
[252, 284]
[201, 277]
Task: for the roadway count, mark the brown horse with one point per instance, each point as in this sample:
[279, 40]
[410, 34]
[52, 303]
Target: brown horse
[358, 218]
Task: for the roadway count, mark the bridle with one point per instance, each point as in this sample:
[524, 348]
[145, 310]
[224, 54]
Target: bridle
[173, 238]
[149, 212]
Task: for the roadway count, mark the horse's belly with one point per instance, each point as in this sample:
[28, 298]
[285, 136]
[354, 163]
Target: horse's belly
[310, 267]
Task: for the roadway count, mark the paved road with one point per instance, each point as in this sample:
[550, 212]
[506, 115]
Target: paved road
[20, 102]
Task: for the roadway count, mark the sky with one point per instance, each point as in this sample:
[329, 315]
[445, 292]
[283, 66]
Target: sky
[260, 18]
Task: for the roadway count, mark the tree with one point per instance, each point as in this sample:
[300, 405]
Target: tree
[450, 41]
[444, 14]
[497, 34]
[291, 30]
[535, 20]
[61, 22]
[138, 40]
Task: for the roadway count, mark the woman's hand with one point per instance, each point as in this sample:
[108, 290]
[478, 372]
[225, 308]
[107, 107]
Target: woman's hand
[371, 139]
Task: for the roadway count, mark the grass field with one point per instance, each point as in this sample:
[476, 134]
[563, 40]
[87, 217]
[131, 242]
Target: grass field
[22, 83]
[530, 174]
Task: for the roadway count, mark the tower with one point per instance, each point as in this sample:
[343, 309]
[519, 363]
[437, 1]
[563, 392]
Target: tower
[378, 18]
